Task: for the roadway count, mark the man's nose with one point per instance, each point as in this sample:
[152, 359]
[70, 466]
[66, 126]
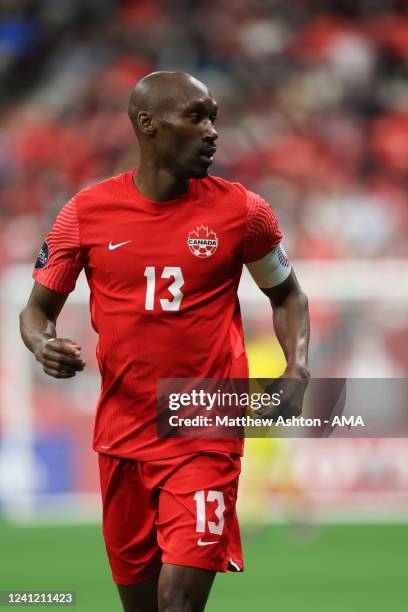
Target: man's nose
[210, 132]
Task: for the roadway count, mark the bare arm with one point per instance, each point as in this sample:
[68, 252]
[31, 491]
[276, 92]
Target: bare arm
[60, 357]
[291, 323]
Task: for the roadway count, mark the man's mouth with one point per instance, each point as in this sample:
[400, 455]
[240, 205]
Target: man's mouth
[207, 153]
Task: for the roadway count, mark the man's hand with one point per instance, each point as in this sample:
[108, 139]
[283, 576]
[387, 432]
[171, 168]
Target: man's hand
[290, 387]
[60, 357]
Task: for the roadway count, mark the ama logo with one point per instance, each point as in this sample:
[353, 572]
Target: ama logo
[202, 242]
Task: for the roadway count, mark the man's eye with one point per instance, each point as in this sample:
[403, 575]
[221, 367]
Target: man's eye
[194, 116]
[213, 118]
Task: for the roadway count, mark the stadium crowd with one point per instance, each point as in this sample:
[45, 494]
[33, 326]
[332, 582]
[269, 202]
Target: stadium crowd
[313, 97]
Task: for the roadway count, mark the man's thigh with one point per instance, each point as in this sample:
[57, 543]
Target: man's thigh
[184, 589]
[181, 589]
[140, 597]
[130, 511]
[197, 524]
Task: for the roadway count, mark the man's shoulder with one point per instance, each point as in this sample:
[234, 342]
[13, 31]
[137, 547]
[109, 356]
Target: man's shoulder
[250, 201]
[221, 184]
[109, 187]
[216, 183]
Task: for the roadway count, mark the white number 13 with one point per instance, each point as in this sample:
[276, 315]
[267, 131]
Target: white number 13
[174, 287]
[212, 496]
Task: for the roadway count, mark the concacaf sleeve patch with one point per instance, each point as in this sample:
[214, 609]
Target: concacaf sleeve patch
[42, 256]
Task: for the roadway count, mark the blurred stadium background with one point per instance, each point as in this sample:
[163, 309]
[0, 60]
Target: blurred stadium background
[314, 116]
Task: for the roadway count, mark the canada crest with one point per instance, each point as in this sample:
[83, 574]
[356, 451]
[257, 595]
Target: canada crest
[202, 242]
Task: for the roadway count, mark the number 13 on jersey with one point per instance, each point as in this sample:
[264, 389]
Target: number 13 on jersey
[174, 288]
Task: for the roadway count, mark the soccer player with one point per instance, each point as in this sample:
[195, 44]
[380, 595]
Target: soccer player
[162, 248]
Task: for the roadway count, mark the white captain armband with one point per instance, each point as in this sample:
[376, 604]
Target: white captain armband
[272, 269]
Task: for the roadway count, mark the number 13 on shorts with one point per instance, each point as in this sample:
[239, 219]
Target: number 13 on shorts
[201, 499]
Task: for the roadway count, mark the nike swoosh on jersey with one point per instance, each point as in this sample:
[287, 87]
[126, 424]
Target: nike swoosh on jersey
[112, 247]
[201, 543]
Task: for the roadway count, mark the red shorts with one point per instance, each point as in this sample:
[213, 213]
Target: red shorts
[179, 511]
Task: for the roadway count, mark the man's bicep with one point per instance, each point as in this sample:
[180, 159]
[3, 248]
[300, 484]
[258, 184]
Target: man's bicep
[272, 269]
[262, 229]
[60, 260]
[278, 293]
[48, 301]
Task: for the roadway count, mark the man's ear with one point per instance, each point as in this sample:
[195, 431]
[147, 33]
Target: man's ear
[147, 124]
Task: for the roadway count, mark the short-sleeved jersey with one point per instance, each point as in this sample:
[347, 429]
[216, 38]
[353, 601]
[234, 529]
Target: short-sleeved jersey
[163, 279]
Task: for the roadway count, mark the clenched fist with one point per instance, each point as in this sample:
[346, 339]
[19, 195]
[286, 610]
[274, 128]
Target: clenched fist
[60, 357]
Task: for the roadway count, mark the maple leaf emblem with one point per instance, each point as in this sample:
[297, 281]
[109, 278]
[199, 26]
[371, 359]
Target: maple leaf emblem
[202, 241]
[203, 233]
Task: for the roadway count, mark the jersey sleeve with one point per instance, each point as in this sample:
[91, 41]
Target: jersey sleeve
[262, 229]
[59, 261]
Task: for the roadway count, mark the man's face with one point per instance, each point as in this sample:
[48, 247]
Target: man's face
[185, 137]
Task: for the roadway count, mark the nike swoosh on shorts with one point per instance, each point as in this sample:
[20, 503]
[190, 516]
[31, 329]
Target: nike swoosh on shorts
[201, 543]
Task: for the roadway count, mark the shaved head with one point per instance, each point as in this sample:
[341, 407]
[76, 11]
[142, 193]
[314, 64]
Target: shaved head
[173, 116]
[161, 91]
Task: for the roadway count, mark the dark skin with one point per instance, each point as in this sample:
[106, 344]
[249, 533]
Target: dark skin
[176, 134]
[173, 116]
[292, 328]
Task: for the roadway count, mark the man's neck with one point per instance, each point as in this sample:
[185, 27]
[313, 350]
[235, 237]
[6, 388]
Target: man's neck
[158, 185]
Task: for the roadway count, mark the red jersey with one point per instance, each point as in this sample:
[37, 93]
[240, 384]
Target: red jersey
[163, 278]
